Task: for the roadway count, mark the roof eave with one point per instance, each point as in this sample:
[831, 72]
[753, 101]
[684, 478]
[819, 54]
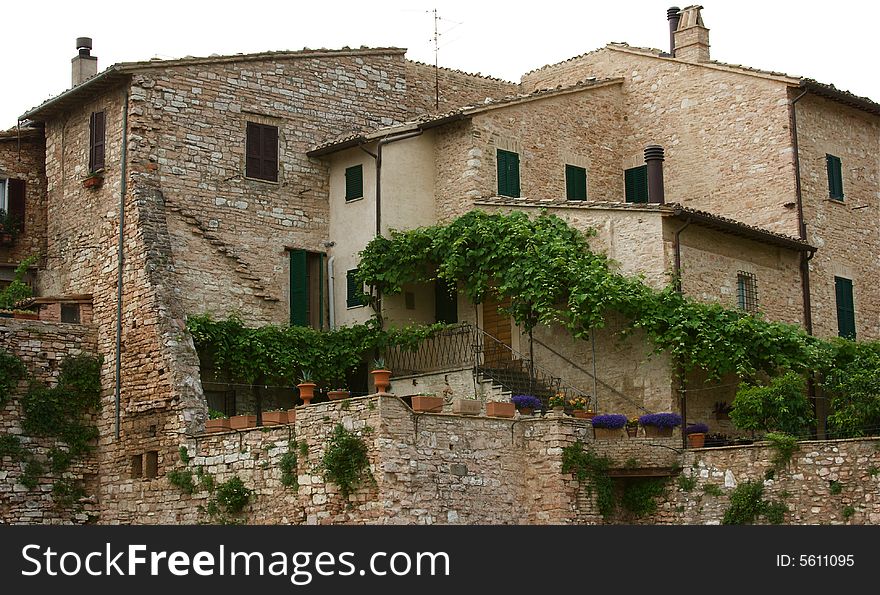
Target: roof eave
[98, 84]
[737, 229]
[829, 92]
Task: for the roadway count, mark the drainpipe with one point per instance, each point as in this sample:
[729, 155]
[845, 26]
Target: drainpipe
[676, 242]
[331, 293]
[120, 259]
[802, 225]
[678, 368]
[377, 156]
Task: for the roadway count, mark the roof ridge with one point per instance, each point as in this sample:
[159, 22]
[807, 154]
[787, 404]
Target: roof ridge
[464, 72]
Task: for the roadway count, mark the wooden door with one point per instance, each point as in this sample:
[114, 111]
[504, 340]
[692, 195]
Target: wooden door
[496, 324]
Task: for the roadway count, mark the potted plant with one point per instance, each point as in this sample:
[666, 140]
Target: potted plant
[581, 407]
[25, 314]
[632, 427]
[427, 403]
[526, 404]
[500, 409]
[696, 434]
[17, 291]
[660, 425]
[609, 426]
[466, 405]
[557, 402]
[243, 422]
[275, 417]
[217, 421]
[338, 393]
[9, 228]
[306, 387]
[93, 180]
[381, 375]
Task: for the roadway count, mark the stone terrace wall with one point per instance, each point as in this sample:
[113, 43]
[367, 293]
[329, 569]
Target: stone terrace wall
[26, 162]
[41, 346]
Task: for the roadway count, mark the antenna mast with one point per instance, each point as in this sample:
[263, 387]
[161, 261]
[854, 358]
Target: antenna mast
[436, 61]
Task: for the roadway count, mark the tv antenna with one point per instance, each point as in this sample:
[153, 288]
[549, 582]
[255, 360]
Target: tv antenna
[436, 41]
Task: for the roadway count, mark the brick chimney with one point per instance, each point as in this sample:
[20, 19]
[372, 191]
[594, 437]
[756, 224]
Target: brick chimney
[691, 36]
[84, 65]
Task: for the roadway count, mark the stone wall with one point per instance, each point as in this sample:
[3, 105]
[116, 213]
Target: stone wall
[24, 159]
[457, 88]
[846, 232]
[42, 346]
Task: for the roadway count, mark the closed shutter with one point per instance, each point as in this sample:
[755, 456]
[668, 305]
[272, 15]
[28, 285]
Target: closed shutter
[354, 290]
[261, 152]
[16, 193]
[575, 182]
[635, 181]
[96, 141]
[299, 305]
[508, 174]
[354, 182]
[846, 314]
[835, 177]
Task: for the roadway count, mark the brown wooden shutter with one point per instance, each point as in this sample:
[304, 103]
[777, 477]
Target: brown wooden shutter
[16, 195]
[253, 162]
[96, 141]
[261, 152]
[270, 153]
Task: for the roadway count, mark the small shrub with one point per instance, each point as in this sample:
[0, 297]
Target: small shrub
[848, 512]
[182, 479]
[686, 483]
[59, 460]
[233, 496]
[712, 490]
[774, 512]
[345, 461]
[746, 504]
[781, 406]
[11, 371]
[183, 452]
[33, 470]
[67, 492]
[784, 446]
[10, 446]
[289, 468]
[835, 487]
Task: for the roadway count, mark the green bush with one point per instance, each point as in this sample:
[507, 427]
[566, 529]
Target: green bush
[781, 406]
[17, 290]
[345, 461]
[11, 371]
[182, 479]
[232, 495]
[853, 383]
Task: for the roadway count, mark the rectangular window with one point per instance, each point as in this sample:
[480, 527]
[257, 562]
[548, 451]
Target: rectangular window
[746, 291]
[353, 290]
[575, 182]
[835, 177]
[137, 466]
[508, 174]
[354, 182]
[151, 464]
[635, 181]
[846, 312]
[261, 161]
[307, 289]
[96, 141]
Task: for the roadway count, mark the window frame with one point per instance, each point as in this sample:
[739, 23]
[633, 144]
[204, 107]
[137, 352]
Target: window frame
[260, 174]
[747, 291]
[352, 197]
[4, 193]
[569, 183]
[848, 310]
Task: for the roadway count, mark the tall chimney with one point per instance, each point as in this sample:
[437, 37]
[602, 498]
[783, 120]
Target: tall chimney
[654, 161]
[673, 17]
[84, 65]
[691, 36]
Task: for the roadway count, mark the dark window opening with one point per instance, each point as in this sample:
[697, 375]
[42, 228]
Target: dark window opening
[307, 303]
[97, 131]
[445, 302]
[70, 313]
[151, 464]
[846, 312]
[575, 182]
[354, 290]
[508, 174]
[409, 299]
[261, 161]
[137, 466]
[354, 182]
[835, 177]
[746, 291]
[635, 181]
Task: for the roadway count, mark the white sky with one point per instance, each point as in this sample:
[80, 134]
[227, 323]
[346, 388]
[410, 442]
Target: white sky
[833, 42]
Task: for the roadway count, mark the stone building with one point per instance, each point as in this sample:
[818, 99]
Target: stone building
[159, 189]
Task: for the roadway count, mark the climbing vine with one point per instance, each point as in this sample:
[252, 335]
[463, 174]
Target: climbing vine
[345, 460]
[281, 353]
[551, 275]
[591, 471]
[11, 371]
[226, 501]
[747, 506]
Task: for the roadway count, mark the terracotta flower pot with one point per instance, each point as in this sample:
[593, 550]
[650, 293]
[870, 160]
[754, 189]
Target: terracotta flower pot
[526, 410]
[274, 418]
[632, 431]
[696, 440]
[425, 403]
[334, 395]
[382, 380]
[242, 422]
[500, 409]
[217, 425]
[608, 433]
[466, 406]
[656, 432]
[291, 416]
[581, 414]
[93, 182]
[306, 392]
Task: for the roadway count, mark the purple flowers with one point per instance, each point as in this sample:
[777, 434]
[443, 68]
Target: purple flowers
[661, 420]
[612, 421]
[696, 429]
[526, 402]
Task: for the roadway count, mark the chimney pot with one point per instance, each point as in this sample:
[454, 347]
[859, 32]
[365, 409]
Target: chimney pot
[672, 15]
[654, 156]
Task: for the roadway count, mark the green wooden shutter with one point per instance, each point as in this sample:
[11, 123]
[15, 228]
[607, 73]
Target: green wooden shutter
[354, 182]
[575, 183]
[846, 313]
[835, 177]
[354, 290]
[508, 174]
[299, 305]
[635, 181]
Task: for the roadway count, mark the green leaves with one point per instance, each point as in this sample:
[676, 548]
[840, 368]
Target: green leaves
[780, 406]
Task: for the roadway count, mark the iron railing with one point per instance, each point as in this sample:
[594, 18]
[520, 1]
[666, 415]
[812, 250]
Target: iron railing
[448, 349]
